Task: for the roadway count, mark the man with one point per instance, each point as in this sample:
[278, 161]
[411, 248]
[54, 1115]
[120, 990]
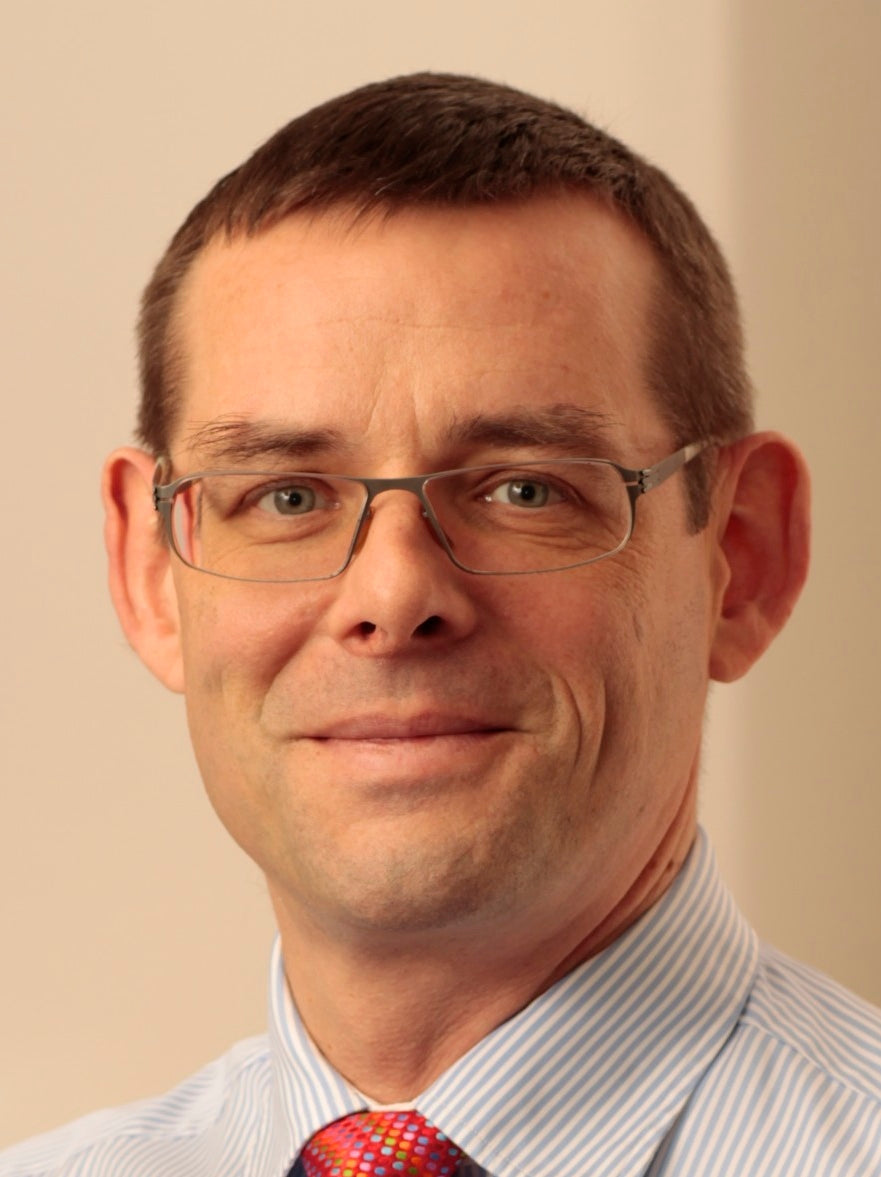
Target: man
[448, 512]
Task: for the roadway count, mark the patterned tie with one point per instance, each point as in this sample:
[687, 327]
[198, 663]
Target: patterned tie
[380, 1144]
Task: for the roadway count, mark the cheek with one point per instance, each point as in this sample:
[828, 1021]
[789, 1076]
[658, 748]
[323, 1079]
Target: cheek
[628, 655]
[237, 640]
[584, 633]
[664, 715]
[588, 629]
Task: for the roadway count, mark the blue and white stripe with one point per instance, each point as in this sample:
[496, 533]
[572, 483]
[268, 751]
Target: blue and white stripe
[683, 1050]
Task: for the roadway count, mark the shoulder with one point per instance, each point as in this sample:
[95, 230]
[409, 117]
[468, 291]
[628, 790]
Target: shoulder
[161, 1137]
[829, 1030]
[796, 1088]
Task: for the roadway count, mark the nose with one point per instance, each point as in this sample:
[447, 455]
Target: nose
[400, 592]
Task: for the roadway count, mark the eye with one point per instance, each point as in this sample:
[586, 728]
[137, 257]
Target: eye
[524, 492]
[289, 500]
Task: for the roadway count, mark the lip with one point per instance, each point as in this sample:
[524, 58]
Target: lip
[414, 727]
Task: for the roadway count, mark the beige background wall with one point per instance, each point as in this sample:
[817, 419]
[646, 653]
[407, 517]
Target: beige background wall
[134, 935]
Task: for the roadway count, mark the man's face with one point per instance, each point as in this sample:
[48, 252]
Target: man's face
[408, 746]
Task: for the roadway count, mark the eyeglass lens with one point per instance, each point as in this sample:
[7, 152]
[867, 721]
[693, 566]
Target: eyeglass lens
[533, 518]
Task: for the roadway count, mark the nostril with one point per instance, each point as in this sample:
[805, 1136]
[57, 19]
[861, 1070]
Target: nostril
[366, 628]
[429, 626]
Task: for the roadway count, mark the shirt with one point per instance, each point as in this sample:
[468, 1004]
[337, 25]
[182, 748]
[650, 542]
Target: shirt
[684, 1048]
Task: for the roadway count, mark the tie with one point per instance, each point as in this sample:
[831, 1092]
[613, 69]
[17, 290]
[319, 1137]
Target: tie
[380, 1144]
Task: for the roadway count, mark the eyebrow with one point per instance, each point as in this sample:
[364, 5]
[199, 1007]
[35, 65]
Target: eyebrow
[235, 440]
[566, 428]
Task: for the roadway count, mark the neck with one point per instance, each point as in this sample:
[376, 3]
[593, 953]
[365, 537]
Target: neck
[393, 1016]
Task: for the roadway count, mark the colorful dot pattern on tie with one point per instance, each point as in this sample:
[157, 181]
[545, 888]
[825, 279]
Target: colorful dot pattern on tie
[380, 1144]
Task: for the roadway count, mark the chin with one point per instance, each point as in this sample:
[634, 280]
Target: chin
[422, 893]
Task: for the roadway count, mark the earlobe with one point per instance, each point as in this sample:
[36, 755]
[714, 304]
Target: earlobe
[762, 536]
[141, 584]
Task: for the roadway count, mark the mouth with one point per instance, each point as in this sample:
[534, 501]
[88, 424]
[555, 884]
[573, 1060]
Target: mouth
[380, 728]
[419, 757]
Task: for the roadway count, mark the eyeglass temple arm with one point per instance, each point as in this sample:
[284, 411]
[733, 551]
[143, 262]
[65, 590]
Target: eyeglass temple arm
[162, 491]
[653, 476]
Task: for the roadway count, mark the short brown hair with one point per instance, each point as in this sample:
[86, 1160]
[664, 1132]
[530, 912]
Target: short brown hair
[445, 140]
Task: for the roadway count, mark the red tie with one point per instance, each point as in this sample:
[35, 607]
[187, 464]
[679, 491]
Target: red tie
[380, 1144]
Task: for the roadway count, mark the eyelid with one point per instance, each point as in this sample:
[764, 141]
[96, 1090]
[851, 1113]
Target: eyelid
[269, 478]
[548, 471]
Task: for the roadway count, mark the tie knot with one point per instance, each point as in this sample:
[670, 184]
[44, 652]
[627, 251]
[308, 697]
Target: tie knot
[380, 1144]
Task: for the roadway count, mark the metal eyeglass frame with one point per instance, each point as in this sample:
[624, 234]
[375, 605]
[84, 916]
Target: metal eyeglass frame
[636, 482]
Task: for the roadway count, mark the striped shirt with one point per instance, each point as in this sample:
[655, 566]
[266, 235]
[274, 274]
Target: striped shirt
[685, 1049]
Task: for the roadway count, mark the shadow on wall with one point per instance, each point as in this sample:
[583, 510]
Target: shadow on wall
[807, 128]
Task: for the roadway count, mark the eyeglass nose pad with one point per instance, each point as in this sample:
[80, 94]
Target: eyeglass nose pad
[424, 512]
[361, 530]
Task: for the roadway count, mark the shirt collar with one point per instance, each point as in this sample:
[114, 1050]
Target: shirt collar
[307, 1091]
[592, 1075]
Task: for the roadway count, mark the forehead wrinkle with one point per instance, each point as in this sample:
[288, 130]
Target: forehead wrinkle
[237, 439]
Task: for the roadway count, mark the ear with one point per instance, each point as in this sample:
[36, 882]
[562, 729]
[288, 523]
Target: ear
[762, 529]
[141, 583]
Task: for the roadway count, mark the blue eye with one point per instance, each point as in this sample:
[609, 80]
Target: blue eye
[289, 500]
[522, 492]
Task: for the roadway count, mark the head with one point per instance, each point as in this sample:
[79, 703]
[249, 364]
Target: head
[431, 274]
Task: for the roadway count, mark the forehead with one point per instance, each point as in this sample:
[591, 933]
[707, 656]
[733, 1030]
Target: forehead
[398, 325]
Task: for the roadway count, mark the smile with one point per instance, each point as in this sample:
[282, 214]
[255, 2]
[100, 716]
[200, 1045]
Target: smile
[393, 729]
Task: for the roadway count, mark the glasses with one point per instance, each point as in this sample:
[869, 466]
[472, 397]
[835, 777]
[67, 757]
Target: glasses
[504, 519]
